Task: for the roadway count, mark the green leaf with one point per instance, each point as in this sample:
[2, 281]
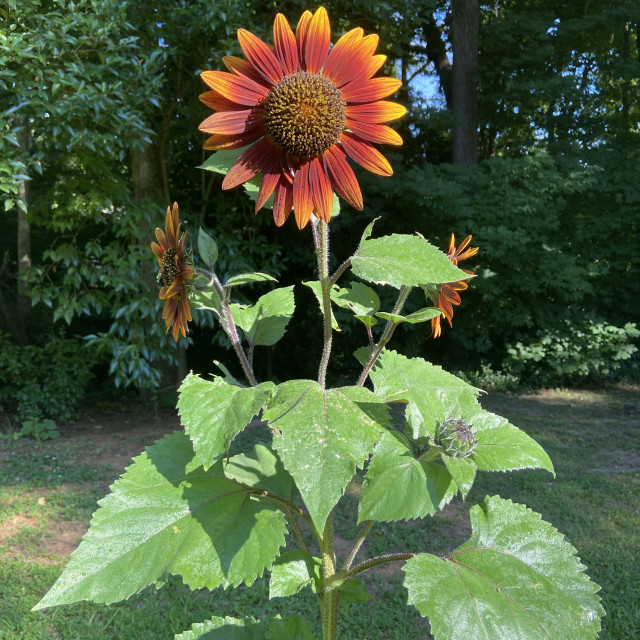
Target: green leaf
[322, 437]
[290, 628]
[244, 278]
[397, 486]
[393, 317]
[207, 248]
[403, 260]
[204, 299]
[214, 412]
[293, 570]
[316, 287]
[423, 315]
[463, 472]
[225, 629]
[432, 393]
[359, 298]
[265, 322]
[260, 469]
[166, 515]
[500, 446]
[517, 577]
[221, 161]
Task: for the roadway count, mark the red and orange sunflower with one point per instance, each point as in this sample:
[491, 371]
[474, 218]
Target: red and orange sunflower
[301, 107]
[173, 273]
[448, 294]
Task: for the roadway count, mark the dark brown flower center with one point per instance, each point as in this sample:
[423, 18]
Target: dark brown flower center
[305, 114]
[169, 270]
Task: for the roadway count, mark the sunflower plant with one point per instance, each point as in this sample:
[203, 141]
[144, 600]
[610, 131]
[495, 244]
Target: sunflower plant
[287, 121]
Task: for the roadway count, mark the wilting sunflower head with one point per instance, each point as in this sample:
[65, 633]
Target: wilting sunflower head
[173, 272]
[301, 108]
[446, 296]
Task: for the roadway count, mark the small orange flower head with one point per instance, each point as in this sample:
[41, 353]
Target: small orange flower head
[301, 107]
[174, 272]
[448, 295]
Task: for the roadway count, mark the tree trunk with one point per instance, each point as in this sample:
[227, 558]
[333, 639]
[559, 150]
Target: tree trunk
[23, 301]
[464, 90]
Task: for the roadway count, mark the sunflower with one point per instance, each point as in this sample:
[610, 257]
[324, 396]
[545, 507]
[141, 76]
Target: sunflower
[448, 294]
[173, 273]
[300, 108]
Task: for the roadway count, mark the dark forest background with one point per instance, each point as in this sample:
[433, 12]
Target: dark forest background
[522, 129]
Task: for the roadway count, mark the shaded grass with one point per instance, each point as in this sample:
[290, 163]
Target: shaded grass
[592, 438]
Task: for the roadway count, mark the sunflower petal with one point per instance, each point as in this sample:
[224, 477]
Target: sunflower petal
[217, 102]
[365, 154]
[347, 42]
[343, 180]
[219, 142]
[301, 37]
[174, 288]
[321, 191]
[282, 201]
[353, 61]
[318, 41]
[161, 238]
[240, 67]
[238, 89]
[302, 200]
[253, 160]
[378, 133]
[260, 56]
[285, 44]
[270, 177]
[232, 122]
[370, 90]
[187, 272]
[158, 251]
[172, 225]
[376, 112]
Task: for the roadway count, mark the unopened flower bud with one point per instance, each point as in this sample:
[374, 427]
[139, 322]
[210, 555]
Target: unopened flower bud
[455, 438]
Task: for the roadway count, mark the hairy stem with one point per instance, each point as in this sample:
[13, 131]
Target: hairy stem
[392, 557]
[229, 326]
[357, 544]
[330, 596]
[386, 335]
[321, 241]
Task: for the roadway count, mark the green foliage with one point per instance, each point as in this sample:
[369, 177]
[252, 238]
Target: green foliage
[44, 381]
[587, 350]
[516, 577]
[39, 430]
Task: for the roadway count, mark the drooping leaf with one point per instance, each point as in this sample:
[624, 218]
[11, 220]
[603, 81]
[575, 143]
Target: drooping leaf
[293, 570]
[516, 578]
[244, 278]
[260, 469]
[265, 322]
[358, 297]
[225, 629]
[214, 412]
[324, 435]
[207, 248]
[403, 260]
[397, 486]
[205, 299]
[463, 472]
[166, 515]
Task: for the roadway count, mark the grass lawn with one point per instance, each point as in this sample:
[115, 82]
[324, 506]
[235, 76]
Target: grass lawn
[48, 492]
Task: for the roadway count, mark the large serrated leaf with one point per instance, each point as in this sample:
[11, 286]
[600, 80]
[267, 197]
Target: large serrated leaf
[403, 260]
[399, 487]
[166, 515]
[225, 629]
[517, 578]
[214, 412]
[324, 435]
[290, 628]
[432, 393]
[265, 322]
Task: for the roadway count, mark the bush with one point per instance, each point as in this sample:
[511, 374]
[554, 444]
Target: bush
[45, 381]
[577, 352]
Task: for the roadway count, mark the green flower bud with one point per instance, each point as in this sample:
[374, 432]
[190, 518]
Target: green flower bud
[455, 438]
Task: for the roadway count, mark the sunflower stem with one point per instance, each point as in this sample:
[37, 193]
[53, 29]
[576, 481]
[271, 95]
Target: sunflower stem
[330, 596]
[386, 335]
[321, 241]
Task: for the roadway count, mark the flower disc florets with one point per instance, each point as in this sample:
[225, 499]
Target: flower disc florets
[305, 114]
[455, 438]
